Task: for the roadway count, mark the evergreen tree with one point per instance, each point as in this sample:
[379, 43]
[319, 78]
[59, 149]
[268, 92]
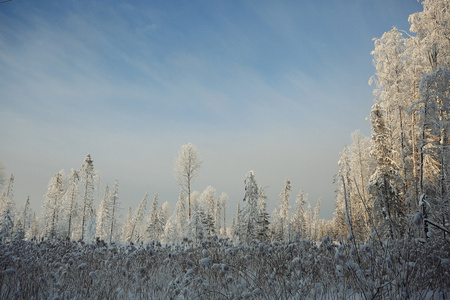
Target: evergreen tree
[88, 212]
[71, 206]
[262, 225]
[208, 211]
[384, 183]
[298, 219]
[7, 210]
[181, 213]
[102, 230]
[53, 206]
[154, 228]
[134, 234]
[248, 217]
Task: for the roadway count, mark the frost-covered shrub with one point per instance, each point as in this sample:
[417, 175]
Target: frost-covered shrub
[218, 270]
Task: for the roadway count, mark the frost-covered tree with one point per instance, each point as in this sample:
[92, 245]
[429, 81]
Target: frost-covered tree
[154, 228]
[236, 224]
[434, 112]
[126, 229]
[262, 225]
[34, 231]
[164, 213]
[208, 201]
[102, 216]
[195, 230]
[107, 223]
[171, 233]
[53, 206]
[433, 30]
[248, 217]
[88, 209]
[298, 218]
[392, 83]
[134, 231]
[223, 202]
[187, 165]
[316, 220]
[384, 183]
[7, 210]
[71, 206]
[114, 208]
[23, 221]
[181, 213]
[284, 208]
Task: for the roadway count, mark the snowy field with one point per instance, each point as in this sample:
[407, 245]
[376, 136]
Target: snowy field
[217, 269]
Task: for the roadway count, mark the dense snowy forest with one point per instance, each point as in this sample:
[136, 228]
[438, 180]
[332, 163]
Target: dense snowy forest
[390, 235]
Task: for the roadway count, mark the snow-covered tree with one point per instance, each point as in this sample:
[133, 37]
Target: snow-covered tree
[134, 234]
[34, 230]
[7, 210]
[195, 230]
[126, 229]
[262, 225]
[384, 183]
[248, 217]
[223, 202]
[434, 112]
[187, 166]
[88, 209]
[208, 203]
[71, 206]
[53, 206]
[102, 229]
[298, 218]
[154, 228]
[107, 223]
[433, 29]
[114, 208]
[23, 221]
[181, 213]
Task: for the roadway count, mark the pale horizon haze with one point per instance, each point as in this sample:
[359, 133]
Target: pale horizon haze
[276, 87]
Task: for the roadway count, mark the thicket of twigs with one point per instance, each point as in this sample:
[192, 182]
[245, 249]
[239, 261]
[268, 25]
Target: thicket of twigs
[217, 269]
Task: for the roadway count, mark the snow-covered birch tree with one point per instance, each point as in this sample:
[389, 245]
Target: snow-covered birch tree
[187, 166]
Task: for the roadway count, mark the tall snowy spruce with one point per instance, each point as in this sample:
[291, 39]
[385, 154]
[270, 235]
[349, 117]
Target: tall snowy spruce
[53, 207]
[282, 223]
[248, 216]
[385, 182]
[88, 215]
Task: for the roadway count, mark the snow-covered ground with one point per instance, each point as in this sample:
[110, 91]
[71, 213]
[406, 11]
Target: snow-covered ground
[218, 269]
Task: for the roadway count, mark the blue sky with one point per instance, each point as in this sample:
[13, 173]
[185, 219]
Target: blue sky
[271, 86]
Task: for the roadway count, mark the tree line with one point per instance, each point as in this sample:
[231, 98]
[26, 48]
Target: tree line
[391, 185]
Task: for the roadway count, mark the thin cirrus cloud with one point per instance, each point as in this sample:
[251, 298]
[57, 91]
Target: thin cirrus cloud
[254, 85]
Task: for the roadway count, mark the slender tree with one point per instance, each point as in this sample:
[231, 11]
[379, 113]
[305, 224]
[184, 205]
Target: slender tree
[7, 210]
[88, 214]
[71, 202]
[187, 165]
[53, 206]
